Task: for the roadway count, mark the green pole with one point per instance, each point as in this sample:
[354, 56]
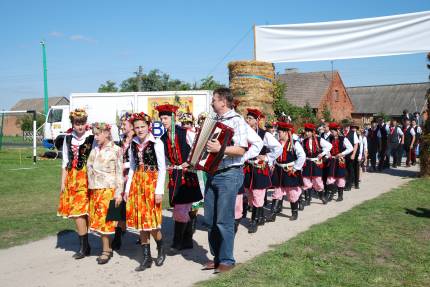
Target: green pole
[45, 78]
[1, 130]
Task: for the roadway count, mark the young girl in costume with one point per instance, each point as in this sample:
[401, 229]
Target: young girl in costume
[74, 199]
[105, 182]
[145, 188]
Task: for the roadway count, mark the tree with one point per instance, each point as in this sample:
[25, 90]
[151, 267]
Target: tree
[154, 81]
[425, 140]
[326, 114]
[208, 83]
[108, 87]
[26, 122]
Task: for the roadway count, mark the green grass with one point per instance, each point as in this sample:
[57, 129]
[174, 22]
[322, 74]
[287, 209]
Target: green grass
[29, 198]
[378, 243]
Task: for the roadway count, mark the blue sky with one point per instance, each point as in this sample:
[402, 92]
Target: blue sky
[89, 42]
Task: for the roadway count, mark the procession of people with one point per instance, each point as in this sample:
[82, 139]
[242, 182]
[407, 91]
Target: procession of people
[111, 189]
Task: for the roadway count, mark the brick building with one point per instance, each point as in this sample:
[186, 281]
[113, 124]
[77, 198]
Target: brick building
[320, 90]
[10, 126]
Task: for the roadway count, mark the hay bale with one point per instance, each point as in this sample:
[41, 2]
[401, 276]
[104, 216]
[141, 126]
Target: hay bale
[251, 83]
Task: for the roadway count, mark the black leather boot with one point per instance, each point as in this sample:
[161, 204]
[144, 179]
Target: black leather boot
[302, 200]
[161, 254]
[329, 192]
[84, 248]
[193, 218]
[339, 194]
[279, 206]
[272, 215]
[236, 225]
[116, 242]
[245, 207]
[187, 240]
[178, 236]
[146, 258]
[322, 197]
[294, 210]
[308, 197]
[261, 219]
[254, 225]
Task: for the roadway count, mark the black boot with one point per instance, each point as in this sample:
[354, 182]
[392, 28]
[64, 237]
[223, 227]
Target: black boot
[116, 242]
[236, 225]
[193, 218]
[322, 197]
[302, 200]
[261, 219]
[279, 206]
[187, 240]
[84, 249]
[161, 254]
[272, 215]
[178, 236]
[308, 196]
[245, 207]
[339, 194]
[294, 210]
[146, 258]
[329, 192]
[254, 225]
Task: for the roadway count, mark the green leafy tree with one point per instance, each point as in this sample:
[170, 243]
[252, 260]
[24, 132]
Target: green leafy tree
[108, 87]
[208, 83]
[26, 122]
[326, 114]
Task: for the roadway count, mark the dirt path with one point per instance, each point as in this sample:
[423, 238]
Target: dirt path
[48, 262]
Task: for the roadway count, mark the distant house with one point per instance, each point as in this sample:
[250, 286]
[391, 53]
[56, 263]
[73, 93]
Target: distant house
[390, 100]
[321, 90]
[11, 128]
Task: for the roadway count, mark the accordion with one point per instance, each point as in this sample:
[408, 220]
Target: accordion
[199, 157]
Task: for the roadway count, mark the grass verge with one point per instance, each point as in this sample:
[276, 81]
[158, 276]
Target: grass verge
[382, 242]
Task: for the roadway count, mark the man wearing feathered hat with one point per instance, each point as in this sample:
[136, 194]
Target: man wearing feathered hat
[316, 148]
[341, 147]
[184, 188]
[286, 177]
[257, 169]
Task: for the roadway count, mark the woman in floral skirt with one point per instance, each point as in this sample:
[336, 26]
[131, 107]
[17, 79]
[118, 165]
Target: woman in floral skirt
[145, 188]
[105, 183]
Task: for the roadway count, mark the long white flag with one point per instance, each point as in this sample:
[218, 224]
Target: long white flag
[361, 38]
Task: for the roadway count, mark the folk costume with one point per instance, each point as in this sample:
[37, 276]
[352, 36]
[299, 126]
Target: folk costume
[257, 172]
[146, 179]
[341, 147]
[74, 199]
[287, 177]
[184, 188]
[316, 149]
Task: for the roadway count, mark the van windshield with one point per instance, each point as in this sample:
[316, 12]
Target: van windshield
[55, 116]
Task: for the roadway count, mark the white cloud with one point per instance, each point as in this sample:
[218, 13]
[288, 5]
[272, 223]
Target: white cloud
[82, 38]
[56, 34]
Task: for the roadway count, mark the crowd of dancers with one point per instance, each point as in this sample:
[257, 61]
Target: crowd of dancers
[323, 161]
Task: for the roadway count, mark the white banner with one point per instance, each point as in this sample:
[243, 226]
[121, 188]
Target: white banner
[361, 38]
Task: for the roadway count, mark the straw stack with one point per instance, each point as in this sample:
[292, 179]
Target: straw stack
[252, 85]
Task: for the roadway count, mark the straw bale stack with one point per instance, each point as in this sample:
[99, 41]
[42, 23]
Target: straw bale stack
[252, 85]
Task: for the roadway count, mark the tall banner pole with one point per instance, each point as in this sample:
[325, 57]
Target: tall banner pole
[45, 78]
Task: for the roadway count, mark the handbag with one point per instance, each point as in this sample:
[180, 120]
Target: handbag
[116, 213]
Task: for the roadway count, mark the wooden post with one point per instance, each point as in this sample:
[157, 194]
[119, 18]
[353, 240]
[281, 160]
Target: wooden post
[255, 45]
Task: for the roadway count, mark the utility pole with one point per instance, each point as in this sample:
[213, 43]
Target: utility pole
[139, 78]
[45, 79]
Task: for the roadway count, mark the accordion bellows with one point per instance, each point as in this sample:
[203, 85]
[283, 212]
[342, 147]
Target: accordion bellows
[199, 157]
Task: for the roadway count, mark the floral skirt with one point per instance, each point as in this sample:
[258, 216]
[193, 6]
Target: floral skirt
[142, 213]
[99, 204]
[74, 200]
